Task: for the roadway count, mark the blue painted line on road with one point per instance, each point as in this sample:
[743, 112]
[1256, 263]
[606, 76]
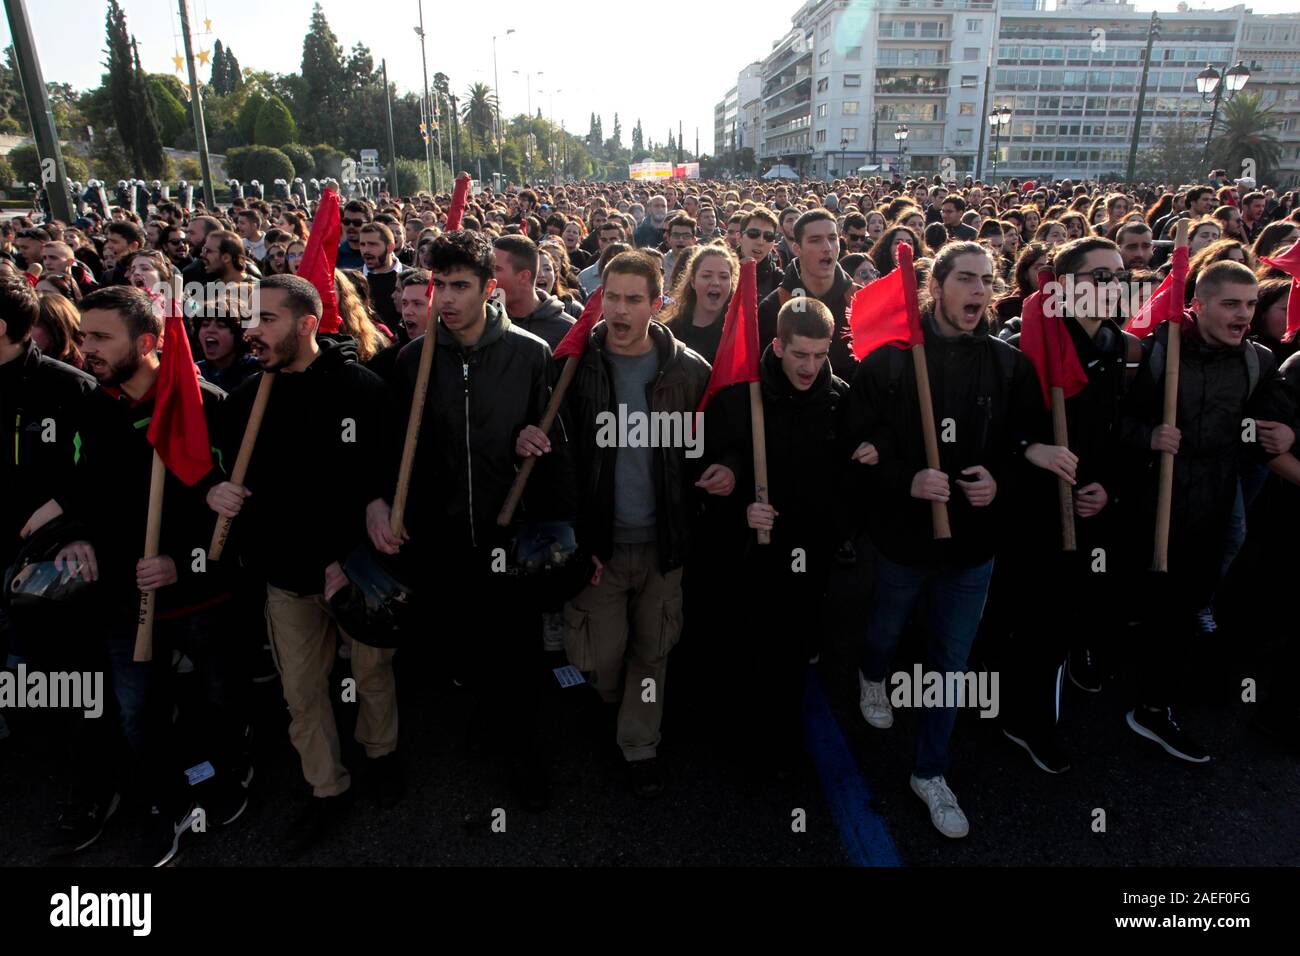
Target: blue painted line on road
[863, 832]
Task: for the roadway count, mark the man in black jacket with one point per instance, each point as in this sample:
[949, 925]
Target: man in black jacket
[1041, 578]
[528, 307]
[1233, 407]
[758, 234]
[632, 407]
[110, 499]
[323, 453]
[815, 272]
[986, 403]
[490, 381]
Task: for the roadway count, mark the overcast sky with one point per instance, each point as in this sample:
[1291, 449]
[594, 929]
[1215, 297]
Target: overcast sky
[595, 55]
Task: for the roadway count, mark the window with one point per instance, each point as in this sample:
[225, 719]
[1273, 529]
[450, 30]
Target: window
[823, 84]
[963, 137]
[824, 57]
[971, 54]
[853, 53]
[851, 107]
[852, 79]
[1291, 96]
[974, 26]
[824, 29]
[821, 136]
[968, 82]
[821, 110]
[849, 134]
[966, 109]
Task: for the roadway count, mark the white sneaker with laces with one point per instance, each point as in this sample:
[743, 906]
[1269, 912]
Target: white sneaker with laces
[873, 701]
[945, 814]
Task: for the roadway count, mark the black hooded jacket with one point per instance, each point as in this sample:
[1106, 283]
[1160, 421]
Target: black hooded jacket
[986, 400]
[550, 322]
[327, 448]
[839, 299]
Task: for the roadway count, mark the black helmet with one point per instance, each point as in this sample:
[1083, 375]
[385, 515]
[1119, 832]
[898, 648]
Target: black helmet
[549, 563]
[33, 582]
[375, 606]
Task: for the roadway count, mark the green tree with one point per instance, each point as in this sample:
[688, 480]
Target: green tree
[324, 79]
[275, 126]
[218, 79]
[1175, 155]
[638, 140]
[304, 163]
[1245, 135]
[121, 83]
[248, 114]
[266, 164]
[173, 116]
[479, 113]
[149, 135]
[329, 161]
[7, 175]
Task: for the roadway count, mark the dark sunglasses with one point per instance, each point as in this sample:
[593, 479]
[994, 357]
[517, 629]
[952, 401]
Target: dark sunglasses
[855, 236]
[760, 234]
[1105, 276]
[355, 222]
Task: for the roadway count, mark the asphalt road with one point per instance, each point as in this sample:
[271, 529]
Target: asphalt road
[724, 807]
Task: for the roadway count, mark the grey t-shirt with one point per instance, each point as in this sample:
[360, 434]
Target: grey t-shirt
[634, 487]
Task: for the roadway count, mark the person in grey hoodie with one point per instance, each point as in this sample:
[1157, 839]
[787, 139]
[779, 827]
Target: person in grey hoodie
[589, 277]
[527, 306]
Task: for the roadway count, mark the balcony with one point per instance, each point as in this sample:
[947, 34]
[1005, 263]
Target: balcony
[919, 6]
[781, 84]
[911, 87]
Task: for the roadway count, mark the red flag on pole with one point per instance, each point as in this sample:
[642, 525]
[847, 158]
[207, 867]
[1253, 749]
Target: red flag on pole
[1046, 343]
[320, 256]
[575, 340]
[738, 351]
[886, 312]
[1289, 262]
[178, 430]
[459, 196]
[1167, 303]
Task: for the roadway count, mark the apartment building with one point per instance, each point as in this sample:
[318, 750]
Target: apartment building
[1270, 46]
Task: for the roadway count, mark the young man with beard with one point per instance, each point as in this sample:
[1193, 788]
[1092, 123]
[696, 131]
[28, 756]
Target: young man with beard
[989, 395]
[1042, 579]
[196, 235]
[651, 231]
[809, 454]
[324, 451]
[528, 307]
[1224, 379]
[637, 505]
[817, 272]
[223, 257]
[382, 270]
[356, 213]
[111, 499]
[490, 382]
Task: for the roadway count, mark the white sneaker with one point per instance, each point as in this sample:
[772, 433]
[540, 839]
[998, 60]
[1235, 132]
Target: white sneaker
[873, 701]
[944, 812]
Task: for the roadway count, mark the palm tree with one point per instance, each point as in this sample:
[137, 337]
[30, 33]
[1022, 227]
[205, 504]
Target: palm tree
[479, 112]
[1244, 136]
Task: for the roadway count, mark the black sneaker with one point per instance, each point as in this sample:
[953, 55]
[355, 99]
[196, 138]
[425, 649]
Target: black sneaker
[164, 833]
[385, 779]
[1045, 753]
[227, 799]
[315, 820]
[645, 778]
[1084, 670]
[1164, 728]
[82, 822]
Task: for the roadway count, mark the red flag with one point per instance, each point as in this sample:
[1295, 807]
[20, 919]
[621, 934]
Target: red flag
[1289, 262]
[1167, 302]
[738, 352]
[885, 312]
[1046, 343]
[459, 196]
[318, 259]
[575, 340]
[178, 430]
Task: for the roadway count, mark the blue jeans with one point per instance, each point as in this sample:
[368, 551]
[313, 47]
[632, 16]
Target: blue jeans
[953, 602]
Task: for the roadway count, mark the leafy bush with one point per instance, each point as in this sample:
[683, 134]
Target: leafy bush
[304, 163]
[275, 126]
[266, 164]
[329, 161]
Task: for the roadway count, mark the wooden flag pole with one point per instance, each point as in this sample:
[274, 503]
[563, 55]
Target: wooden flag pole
[1065, 494]
[413, 428]
[152, 536]
[507, 513]
[222, 531]
[1165, 497]
[938, 509]
[759, 432]
[1173, 355]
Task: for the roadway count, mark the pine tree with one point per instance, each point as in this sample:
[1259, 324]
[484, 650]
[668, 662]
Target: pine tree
[324, 80]
[149, 143]
[618, 133]
[275, 126]
[234, 75]
[638, 140]
[218, 80]
[121, 82]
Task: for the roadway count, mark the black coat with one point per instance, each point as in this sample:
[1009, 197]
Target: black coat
[839, 299]
[678, 387]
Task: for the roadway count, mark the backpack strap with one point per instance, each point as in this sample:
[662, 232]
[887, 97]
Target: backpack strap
[1252, 369]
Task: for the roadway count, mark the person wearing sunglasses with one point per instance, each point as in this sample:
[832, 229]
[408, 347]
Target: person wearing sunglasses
[355, 215]
[758, 235]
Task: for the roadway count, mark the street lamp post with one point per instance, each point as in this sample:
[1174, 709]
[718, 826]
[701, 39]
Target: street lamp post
[999, 119]
[428, 112]
[900, 137]
[1210, 85]
[496, 83]
[844, 145]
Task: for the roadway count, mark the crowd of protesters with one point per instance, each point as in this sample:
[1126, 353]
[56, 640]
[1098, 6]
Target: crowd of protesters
[658, 530]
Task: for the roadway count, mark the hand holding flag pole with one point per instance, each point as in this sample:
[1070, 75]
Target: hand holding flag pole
[1173, 354]
[425, 369]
